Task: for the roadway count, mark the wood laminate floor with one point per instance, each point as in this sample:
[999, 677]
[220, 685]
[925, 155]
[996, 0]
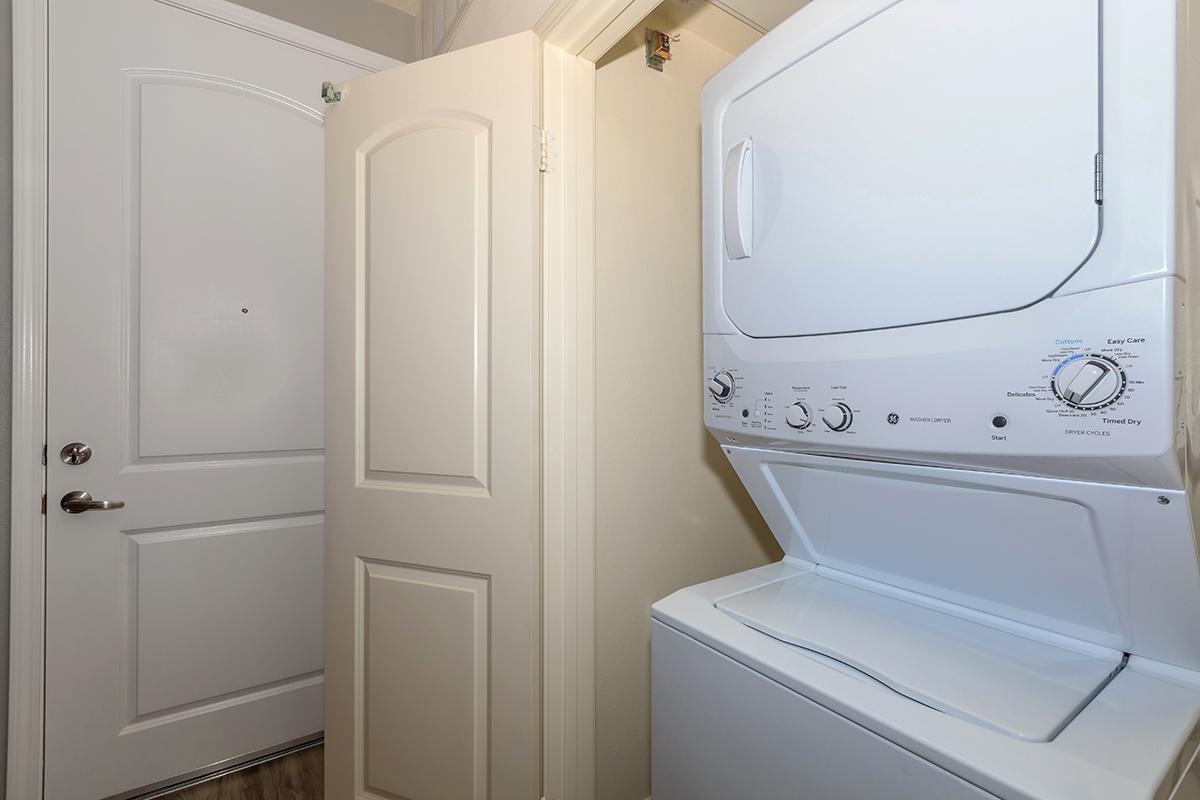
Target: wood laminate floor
[298, 776]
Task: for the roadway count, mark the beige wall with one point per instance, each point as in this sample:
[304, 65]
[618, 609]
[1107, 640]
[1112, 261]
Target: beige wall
[670, 511]
[366, 23]
[490, 19]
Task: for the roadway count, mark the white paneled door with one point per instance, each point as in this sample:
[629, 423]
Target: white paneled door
[183, 629]
[432, 420]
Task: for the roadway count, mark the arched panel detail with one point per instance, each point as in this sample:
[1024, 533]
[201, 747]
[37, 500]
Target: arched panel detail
[423, 232]
[219, 363]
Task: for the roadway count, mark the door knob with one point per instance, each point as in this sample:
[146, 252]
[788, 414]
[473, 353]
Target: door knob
[79, 502]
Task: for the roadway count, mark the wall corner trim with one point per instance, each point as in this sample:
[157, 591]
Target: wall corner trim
[27, 591]
[575, 33]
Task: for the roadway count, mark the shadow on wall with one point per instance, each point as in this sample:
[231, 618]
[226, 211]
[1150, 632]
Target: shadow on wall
[627, 45]
[739, 498]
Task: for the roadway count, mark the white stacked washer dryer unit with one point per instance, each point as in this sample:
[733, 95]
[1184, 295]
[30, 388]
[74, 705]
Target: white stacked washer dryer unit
[947, 247]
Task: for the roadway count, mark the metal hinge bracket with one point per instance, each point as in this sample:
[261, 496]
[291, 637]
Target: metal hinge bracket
[1099, 179]
[543, 155]
[44, 450]
[330, 94]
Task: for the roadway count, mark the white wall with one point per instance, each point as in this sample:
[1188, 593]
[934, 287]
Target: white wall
[366, 23]
[670, 511]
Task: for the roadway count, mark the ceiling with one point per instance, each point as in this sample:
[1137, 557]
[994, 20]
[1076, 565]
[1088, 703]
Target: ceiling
[761, 14]
[410, 7]
[732, 25]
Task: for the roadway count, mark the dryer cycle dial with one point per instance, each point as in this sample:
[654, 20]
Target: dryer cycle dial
[1088, 382]
[721, 386]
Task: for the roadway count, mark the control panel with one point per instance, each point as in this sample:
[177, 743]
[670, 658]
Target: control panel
[1105, 388]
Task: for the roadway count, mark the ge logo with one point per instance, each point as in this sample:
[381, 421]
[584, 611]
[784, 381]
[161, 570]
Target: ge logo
[893, 418]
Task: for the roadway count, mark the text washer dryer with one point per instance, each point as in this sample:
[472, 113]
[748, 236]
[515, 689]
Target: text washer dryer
[947, 351]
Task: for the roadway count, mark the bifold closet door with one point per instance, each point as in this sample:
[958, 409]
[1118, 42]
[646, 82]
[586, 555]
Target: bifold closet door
[432, 420]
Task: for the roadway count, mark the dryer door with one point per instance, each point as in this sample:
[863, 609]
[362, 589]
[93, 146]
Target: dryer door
[936, 161]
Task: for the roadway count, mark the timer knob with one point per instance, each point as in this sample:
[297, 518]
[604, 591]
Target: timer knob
[1088, 382]
[798, 416]
[837, 416]
[720, 386]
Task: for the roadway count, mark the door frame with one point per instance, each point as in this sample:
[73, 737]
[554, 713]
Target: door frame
[575, 34]
[30, 107]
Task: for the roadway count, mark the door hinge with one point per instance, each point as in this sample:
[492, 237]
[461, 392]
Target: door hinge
[330, 94]
[43, 505]
[543, 161]
[43, 455]
[1099, 179]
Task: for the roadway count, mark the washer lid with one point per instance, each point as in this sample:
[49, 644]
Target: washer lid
[936, 161]
[986, 674]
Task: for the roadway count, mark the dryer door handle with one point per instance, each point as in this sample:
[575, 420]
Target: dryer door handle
[739, 200]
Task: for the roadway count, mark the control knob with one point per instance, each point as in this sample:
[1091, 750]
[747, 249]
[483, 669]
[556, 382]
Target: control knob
[1088, 382]
[721, 386]
[837, 416]
[798, 416]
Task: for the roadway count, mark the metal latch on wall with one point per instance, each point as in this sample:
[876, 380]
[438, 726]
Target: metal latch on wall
[330, 94]
[658, 48]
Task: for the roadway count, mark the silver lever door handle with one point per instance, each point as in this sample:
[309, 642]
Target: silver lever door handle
[79, 502]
